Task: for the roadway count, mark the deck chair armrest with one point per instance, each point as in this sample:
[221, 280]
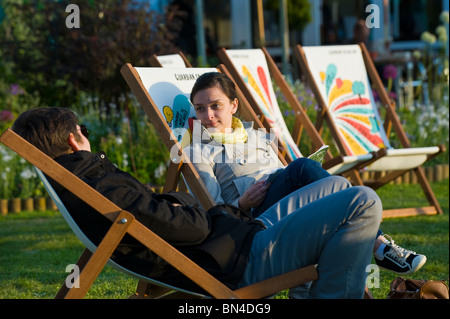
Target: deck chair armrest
[332, 162]
[442, 149]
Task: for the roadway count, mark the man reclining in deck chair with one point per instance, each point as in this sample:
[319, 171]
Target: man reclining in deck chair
[235, 248]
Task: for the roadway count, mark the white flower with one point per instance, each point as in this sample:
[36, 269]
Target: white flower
[444, 17]
[159, 172]
[428, 37]
[417, 54]
[6, 157]
[441, 31]
[27, 173]
[125, 160]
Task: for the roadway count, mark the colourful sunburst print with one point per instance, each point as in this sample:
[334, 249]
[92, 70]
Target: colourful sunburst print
[352, 111]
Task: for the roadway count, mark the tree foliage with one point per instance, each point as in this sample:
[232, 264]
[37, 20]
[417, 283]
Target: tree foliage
[298, 11]
[42, 54]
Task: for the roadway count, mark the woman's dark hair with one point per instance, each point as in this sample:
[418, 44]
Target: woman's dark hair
[48, 129]
[214, 79]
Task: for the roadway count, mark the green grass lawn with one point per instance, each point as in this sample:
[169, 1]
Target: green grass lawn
[428, 235]
[36, 247]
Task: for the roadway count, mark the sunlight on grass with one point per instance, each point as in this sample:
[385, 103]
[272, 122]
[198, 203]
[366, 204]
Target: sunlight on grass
[428, 235]
[36, 247]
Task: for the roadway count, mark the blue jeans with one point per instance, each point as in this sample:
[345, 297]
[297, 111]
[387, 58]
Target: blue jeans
[297, 174]
[327, 223]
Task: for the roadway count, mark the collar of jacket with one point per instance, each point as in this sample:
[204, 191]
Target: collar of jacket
[256, 139]
[205, 135]
[84, 163]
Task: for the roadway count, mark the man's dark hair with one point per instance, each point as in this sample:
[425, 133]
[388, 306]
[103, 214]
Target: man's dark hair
[48, 129]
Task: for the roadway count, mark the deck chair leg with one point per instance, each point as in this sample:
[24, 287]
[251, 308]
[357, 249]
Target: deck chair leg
[421, 178]
[355, 177]
[434, 207]
[368, 294]
[182, 187]
[82, 261]
[149, 291]
[101, 256]
[172, 177]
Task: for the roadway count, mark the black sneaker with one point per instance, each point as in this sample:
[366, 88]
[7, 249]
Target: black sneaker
[400, 260]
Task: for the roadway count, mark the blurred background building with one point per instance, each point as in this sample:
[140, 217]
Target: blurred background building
[252, 23]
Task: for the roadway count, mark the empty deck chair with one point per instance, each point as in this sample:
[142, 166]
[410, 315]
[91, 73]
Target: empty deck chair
[177, 60]
[339, 77]
[253, 70]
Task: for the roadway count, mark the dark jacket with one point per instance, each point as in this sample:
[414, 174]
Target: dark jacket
[219, 240]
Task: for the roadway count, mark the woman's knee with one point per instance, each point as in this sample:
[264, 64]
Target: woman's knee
[339, 182]
[370, 199]
[369, 193]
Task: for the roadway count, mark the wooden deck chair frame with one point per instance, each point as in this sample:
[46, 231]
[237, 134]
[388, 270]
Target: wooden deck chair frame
[175, 170]
[172, 60]
[302, 121]
[91, 263]
[391, 121]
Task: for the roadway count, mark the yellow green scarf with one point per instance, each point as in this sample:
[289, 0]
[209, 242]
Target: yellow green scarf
[239, 134]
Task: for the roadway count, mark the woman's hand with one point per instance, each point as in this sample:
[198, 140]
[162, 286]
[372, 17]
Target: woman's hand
[254, 195]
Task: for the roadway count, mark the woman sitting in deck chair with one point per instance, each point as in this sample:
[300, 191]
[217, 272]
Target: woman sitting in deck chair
[235, 162]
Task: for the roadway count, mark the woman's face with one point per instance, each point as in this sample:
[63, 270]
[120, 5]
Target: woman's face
[214, 109]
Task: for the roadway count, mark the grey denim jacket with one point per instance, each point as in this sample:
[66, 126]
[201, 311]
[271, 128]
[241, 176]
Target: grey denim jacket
[228, 170]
